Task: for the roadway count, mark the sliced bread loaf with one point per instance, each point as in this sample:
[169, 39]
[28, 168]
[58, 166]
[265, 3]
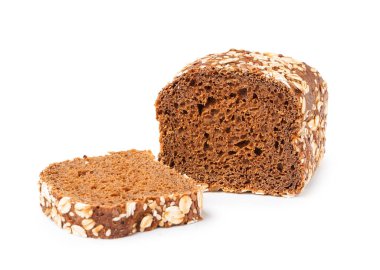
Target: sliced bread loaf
[117, 195]
[244, 121]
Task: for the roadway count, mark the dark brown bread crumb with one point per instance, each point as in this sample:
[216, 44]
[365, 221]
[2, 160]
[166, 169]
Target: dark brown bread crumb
[242, 121]
[119, 194]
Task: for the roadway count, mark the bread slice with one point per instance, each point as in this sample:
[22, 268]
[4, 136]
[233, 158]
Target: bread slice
[117, 195]
[244, 121]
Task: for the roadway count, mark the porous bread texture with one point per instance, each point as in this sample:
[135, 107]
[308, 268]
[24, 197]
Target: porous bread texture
[244, 121]
[117, 195]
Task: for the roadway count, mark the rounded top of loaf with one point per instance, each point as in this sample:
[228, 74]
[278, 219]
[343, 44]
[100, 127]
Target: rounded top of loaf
[287, 71]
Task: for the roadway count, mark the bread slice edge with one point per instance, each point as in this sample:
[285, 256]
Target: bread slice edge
[146, 214]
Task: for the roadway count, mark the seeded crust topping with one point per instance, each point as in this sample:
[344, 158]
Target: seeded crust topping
[202, 84]
[83, 217]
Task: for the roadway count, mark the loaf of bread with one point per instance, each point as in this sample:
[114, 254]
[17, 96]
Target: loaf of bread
[244, 121]
[117, 195]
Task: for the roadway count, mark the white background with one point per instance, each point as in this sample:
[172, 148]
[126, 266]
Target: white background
[81, 77]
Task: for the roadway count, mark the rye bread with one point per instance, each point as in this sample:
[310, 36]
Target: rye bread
[117, 195]
[244, 121]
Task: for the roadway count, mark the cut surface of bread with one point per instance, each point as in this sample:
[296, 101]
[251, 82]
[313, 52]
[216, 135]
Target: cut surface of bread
[244, 121]
[117, 195]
